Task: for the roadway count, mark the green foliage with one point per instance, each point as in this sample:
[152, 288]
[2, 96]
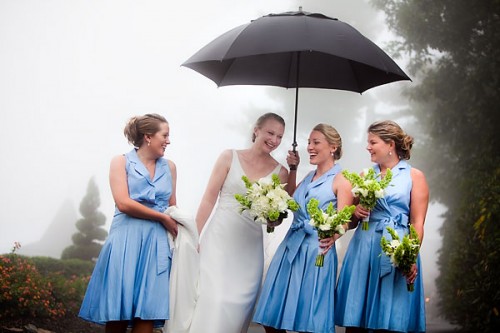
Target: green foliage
[87, 242]
[27, 291]
[367, 187]
[454, 48]
[65, 267]
[328, 222]
[403, 253]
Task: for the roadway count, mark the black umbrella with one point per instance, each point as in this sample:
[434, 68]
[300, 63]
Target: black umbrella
[296, 49]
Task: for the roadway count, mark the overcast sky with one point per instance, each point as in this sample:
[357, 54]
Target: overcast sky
[73, 72]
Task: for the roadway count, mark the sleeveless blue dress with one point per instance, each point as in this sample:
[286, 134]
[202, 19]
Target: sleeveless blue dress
[370, 292]
[297, 295]
[131, 276]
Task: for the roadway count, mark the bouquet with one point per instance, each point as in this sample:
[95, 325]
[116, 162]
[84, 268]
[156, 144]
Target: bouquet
[403, 254]
[367, 188]
[266, 201]
[328, 222]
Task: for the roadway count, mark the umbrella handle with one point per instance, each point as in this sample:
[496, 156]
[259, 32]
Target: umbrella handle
[294, 150]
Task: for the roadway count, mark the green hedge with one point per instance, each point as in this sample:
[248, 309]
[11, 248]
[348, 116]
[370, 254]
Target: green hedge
[41, 287]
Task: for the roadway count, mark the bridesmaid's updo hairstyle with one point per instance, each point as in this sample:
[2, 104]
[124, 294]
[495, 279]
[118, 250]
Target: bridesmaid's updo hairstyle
[265, 117]
[332, 137]
[138, 126]
[389, 131]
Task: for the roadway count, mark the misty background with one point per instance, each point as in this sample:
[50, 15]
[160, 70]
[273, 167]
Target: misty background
[73, 72]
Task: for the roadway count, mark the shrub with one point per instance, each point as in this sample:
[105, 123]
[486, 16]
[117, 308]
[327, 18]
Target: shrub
[41, 287]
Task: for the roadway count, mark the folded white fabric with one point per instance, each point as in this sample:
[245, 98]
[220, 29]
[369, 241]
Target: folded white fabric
[184, 272]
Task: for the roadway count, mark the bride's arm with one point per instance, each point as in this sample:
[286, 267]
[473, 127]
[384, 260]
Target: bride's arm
[217, 178]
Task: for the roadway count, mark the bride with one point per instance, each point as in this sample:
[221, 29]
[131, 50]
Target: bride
[231, 249]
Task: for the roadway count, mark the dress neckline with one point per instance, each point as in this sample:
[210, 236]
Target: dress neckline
[237, 158]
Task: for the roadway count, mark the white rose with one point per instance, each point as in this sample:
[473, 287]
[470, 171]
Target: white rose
[379, 194]
[340, 230]
[395, 243]
[324, 227]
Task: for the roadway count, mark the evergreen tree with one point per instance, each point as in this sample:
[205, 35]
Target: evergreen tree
[87, 243]
[454, 49]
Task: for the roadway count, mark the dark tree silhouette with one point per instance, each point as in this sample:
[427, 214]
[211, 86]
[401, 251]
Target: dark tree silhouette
[87, 243]
[454, 49]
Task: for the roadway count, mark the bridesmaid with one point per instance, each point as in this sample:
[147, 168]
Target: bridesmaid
[130, 282]
[297, 295]
[371, 294]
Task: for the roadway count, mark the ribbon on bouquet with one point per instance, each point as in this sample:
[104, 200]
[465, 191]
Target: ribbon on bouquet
[398, 222]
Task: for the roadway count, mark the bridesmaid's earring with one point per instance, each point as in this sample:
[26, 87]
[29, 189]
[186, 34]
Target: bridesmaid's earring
[390, 153]
[149, 143]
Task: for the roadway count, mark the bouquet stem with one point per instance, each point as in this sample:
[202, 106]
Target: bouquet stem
[320, 258]
[270, 229]
[364, 223]
[410, 287]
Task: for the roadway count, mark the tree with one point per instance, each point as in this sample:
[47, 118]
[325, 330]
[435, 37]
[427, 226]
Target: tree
[87, 243]
[454, 50]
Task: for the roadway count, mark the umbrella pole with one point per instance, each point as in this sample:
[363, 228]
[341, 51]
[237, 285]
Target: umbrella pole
[294, 144]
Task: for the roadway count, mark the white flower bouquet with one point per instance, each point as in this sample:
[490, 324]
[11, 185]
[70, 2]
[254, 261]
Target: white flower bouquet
[403, 254]
[367, 188]
[328, 222]
[266, 201]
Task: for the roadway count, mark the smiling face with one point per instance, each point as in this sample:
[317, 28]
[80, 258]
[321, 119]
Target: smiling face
[269, 135]
[380, 151]
[320, 151]
[159, 141]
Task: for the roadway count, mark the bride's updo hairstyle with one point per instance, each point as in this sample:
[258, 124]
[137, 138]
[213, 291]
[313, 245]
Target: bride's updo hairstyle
[388, 131]
[138, 126]
[265, 117]
[332, 137]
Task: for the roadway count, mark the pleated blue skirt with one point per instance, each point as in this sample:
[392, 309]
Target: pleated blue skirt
[131, 276]
[297, 295]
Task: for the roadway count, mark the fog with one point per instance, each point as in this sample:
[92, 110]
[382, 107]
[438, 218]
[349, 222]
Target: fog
[73, 72]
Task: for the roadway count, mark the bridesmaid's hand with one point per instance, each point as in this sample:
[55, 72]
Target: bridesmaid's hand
[292, 159]
[361, 212]
[412, 275]
[326, 244]
[170, 224]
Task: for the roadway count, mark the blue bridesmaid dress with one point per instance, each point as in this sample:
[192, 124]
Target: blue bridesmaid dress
[370, 292]
[131, 276]
[297, 295]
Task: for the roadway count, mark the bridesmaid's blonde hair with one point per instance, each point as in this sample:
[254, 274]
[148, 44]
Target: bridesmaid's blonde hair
[332, 137]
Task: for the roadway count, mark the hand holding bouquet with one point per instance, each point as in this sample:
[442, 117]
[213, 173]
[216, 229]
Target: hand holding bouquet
[367, 188]
[266, 201]
[328, 222]
[403, 254]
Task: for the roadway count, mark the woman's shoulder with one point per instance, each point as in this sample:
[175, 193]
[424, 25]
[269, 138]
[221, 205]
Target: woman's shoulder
[118, 160]
[417, 174]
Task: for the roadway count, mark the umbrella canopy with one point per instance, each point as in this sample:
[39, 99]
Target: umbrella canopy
[293, 50]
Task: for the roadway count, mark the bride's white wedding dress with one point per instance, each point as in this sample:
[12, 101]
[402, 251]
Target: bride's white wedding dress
[231, 263]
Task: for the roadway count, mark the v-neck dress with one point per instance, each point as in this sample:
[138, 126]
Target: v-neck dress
[231, 262]
[370, 292]
[131, 276]
[297, 295]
